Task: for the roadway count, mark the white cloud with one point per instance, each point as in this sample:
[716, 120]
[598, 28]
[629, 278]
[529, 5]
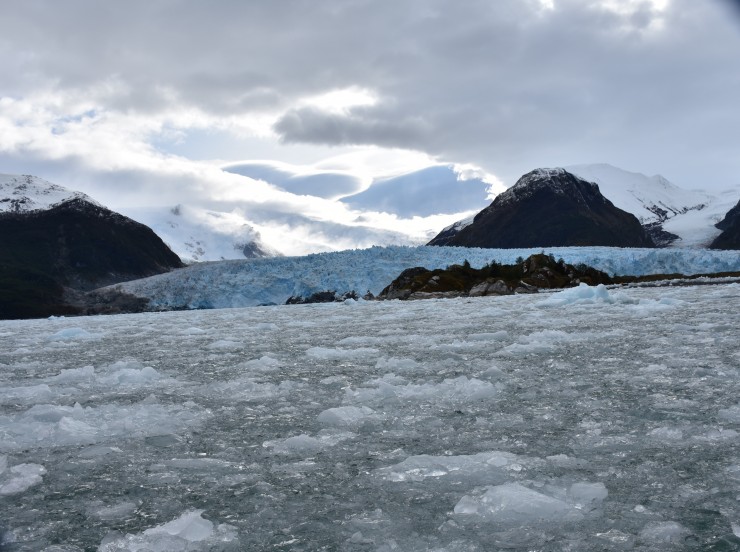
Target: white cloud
[142, 101]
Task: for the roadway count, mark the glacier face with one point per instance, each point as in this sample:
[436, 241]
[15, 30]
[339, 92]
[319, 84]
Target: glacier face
[248, 283]
[574, 421]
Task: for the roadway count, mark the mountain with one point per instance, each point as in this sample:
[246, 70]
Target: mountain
[55, 242]
[434, 190]
[550, 208]
[198, 234]
[656, 202]
[730, 226]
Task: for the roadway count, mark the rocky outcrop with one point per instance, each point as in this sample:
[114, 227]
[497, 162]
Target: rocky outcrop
[730, 226]
[549, 208]
[327, 297]
[527, 276]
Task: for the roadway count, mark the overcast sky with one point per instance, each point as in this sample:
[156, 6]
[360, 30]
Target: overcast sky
[143, 100]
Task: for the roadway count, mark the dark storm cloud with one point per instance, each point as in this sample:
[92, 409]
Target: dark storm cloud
[508, 84]
[357, 126]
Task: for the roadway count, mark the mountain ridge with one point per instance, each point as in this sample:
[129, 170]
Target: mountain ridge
[549, 208]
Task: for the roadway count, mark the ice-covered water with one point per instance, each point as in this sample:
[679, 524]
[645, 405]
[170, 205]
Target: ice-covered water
[590, 419]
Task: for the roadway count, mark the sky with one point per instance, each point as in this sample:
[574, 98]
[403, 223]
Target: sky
[141, 103]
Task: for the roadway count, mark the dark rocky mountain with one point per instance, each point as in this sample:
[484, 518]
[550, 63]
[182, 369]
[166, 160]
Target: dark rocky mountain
[730, 226]
[549, 208]
[49, 257]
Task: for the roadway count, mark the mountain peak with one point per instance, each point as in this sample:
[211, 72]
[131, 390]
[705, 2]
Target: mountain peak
[548, 208]
[26, 193]
[556, 180]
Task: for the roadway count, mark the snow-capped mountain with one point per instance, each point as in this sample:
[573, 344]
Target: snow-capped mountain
[730, 228]
[549, 208]
[26, 193]
[649, 198]
[673, 216]
[689, 215]
[55, 243]
[197, 234]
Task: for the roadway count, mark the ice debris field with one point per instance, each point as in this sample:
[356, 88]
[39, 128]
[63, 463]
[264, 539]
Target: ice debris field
[588, 419]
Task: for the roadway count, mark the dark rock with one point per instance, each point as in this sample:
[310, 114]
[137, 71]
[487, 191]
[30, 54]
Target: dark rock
[549, 208]
[528, 276]
[322, 297]
[730, 226]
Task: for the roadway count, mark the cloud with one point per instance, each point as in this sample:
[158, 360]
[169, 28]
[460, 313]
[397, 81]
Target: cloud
[106, 92]
[359, 126]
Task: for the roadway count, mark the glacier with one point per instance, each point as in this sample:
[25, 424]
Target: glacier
[245, 283]
[587, 419]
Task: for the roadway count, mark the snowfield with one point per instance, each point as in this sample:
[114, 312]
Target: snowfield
[588, 419]
[247, 283]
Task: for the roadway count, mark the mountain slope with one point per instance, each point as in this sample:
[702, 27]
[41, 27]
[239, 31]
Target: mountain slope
[550, 208]
[730, 226]
[53, 240]
[197, 234]
[674, 216]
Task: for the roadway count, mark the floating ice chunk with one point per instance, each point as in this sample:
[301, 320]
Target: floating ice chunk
[394, 364]
[248, 389]
[132, 376]
[203, 464]
[565, 461]
[46, 425]
[731, 414]
[489, 336]
[587, 496]
[98, 451]
[323, 353]
[193, 331]
[457, 390]
[265, 326]
[513, 503]
[72, 333]
[188, 532]
[718, 434]
[263, 364]
[74, 375]
[358, 537]
[120, 510]
[666, 433]
[19, 478]
[491, 466]
[581, 295]
[28, 394]
[223, 345]
[305, 444]
[617, 537]
[539, 342]
[667, 532]
[331, 380]
[345, 416]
